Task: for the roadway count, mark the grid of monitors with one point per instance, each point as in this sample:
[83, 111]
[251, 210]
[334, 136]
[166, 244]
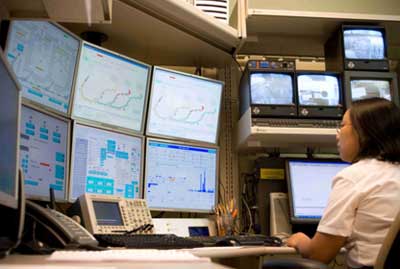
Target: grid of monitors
[44, 154]
[309, 184]
[43, 57]
[184, 106]
[111, 89]
[180, 176]
[365, 84]
[9, 138]
[105, 162]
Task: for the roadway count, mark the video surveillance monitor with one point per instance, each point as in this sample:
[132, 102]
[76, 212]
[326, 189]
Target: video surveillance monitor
[184, 106]
[309, 185]
[43, 56]
[44, 154]
[105, 162]
[110, 89]
[180, 177]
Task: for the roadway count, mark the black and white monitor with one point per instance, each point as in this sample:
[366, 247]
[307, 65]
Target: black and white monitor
[43, 56]
[105, 162]
[44, 153]
[309, 185]
[9, 139]
[180, 177]
[111, 89]
[184, 106]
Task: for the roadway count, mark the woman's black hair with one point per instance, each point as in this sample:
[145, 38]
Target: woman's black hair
[377, 123]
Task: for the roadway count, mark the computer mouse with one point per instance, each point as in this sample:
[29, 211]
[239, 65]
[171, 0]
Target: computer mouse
[273, 241]
[227, 242]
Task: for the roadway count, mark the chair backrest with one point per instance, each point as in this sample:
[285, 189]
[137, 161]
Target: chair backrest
[389, 254]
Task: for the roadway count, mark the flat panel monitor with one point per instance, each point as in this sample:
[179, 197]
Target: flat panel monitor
[180, 177]
[43, 56]
[44, 154]
[364, 85]
[9, 138]
[105, 162]
[320, 95]
[309, 185]
[110, 89]
[184, 106]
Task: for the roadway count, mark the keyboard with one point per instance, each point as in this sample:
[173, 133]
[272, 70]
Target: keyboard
[243, 240]
[155, 241]
[299, 123]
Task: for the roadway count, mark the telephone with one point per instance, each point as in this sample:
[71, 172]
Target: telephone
[50, 228]
[108, 214]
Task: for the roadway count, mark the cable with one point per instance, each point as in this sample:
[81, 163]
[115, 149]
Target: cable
[249, 212]
[238, 64]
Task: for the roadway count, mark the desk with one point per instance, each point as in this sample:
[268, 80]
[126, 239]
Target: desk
[233, 252]
[31, 260]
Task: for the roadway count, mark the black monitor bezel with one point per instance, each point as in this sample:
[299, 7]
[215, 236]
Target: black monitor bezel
[348, 76]
[364, 27]
[333, 112]
[293, 218]
[283, 110]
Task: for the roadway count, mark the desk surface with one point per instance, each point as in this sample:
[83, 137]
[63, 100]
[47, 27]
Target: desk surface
[231, 252]
[37, 261]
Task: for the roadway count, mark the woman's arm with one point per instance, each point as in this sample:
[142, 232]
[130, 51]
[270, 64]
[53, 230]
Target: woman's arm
[322, 247]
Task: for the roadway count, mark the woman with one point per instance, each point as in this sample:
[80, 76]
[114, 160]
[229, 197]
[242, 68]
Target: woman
[365, 196]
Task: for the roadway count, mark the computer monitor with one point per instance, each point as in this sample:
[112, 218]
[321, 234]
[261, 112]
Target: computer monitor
[9, 138]
[309, 185]
[363, 85]
[268, 90]
[110, 89]
[105, 162]
[44, 153]
[320, 95]
[358, 47]
[180, 176]
[43, 56]
[184, 106]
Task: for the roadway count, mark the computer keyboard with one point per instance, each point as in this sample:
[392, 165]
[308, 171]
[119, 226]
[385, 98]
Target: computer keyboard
[299, 123]
[242, 240]
[156, 241]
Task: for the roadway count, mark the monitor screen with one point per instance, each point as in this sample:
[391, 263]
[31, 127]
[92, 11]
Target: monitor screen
[309, 185]
[184, 106]
[105, 162]
[43, 154]
[9, 139]
[318, 90]
[271, 89]
[110, 88]
[43, 57]
[364, 44]
[180, 177]
[368, 88]
[107, 213]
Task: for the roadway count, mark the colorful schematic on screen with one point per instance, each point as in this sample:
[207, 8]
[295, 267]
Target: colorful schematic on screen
[105, 162]
[43, 58]
[180, 177]
[110, 88]
[43, 154]
[184, 106]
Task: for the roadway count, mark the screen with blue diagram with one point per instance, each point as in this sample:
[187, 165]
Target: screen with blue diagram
[180, 177]
[110, 88]
[105, 162]
[43, 57]
[43, 154]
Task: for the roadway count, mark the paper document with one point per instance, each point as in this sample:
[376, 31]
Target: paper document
[143, 255]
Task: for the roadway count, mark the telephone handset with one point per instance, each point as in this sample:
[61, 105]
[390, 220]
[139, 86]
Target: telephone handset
[56, 229]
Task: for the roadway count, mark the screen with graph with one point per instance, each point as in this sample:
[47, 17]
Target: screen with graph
[43, 57]
[184, 106]
[110, 88]
[180, 177]
[105, 162]
[43, 155]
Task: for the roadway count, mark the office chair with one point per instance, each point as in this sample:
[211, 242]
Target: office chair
[388, 256]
